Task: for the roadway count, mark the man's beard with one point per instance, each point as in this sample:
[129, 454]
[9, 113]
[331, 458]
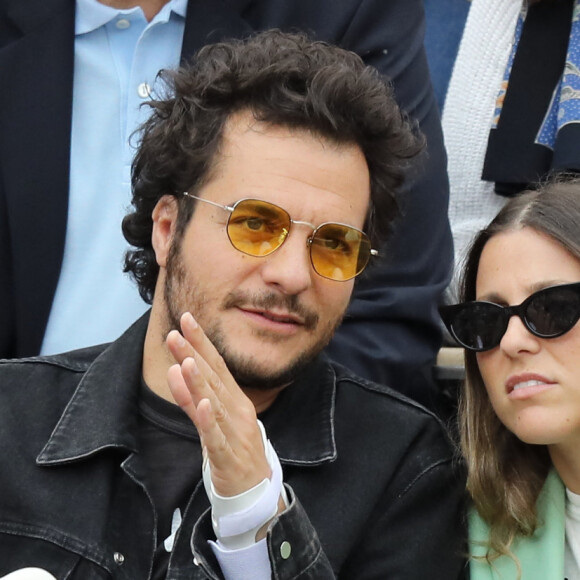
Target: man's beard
[183, 295]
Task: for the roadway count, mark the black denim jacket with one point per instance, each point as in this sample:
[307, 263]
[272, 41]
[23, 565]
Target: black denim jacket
[369, 474]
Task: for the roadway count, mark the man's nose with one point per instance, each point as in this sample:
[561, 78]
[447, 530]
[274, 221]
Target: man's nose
[289, 267]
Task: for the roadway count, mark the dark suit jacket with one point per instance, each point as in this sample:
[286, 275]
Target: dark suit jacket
[391, 333]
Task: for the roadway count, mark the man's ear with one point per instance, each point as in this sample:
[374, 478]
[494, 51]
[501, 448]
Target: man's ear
[164, 225]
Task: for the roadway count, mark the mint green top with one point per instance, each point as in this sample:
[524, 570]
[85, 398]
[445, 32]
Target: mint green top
[541, 556]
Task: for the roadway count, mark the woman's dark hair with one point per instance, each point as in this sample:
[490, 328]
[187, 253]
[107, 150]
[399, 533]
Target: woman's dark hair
[284, 80]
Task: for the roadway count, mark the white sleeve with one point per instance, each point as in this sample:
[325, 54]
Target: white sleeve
[251, 563]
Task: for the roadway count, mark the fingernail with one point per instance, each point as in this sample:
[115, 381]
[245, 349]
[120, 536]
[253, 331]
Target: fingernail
[176, 337]
[192, 364]
[191, 320]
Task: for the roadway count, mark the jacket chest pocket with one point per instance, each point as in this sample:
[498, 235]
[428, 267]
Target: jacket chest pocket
[18, 552]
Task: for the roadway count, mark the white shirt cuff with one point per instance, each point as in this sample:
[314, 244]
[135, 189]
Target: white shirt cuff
[251, 563]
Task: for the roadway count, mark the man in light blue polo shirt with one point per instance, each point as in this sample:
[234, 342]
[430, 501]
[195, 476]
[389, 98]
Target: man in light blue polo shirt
[118, 53]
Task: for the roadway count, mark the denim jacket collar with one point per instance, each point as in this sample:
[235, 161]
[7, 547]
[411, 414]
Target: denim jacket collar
[300, 423]
[103, 410]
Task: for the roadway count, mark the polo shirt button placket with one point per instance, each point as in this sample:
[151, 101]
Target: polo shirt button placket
[144, 90]
[123, 24]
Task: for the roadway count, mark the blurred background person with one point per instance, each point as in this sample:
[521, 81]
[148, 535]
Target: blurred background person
[512, 110]
[444, 23]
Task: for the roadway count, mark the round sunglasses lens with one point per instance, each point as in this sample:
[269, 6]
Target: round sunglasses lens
[257, 227]
[479, 326]
[553, 312]
[339, 252]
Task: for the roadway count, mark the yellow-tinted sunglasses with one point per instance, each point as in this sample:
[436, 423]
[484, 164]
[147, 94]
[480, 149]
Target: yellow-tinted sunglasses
[258, 228]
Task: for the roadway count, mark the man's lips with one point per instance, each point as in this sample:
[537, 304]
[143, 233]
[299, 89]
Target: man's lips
[276, 309]
[274, 316]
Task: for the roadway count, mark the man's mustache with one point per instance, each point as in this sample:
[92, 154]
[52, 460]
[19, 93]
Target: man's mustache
[270, 300]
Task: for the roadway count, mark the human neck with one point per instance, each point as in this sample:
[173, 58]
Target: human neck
[262, 398]
[150, 7]
[156, 356]
[566, 461]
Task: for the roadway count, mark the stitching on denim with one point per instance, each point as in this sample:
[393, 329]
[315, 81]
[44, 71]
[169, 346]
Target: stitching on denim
[302, 572]
[333, 453]
[65, 541]
[421, 474]
[49, 361]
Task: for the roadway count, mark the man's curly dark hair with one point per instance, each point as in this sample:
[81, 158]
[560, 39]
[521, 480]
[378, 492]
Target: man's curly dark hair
[285, 80]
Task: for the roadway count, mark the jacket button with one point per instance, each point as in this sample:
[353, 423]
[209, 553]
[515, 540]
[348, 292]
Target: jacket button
[285, 550]
[119, 558]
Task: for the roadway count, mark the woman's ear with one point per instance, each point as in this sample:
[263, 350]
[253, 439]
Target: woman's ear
[164, 225]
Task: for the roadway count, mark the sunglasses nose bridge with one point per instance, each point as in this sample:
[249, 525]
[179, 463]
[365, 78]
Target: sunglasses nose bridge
[516, 337]
[310, 238]
[286, 231]
[521, 312]
[307, 224]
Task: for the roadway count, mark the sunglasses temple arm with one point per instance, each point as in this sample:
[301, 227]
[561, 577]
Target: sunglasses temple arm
[226, 207]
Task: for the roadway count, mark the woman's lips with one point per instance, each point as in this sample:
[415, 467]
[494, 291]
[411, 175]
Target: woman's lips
[527, 385]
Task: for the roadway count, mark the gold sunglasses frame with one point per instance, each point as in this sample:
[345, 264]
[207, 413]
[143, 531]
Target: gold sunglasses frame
[231, 209]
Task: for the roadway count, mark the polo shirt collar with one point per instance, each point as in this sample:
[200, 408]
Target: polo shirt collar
[91, 14]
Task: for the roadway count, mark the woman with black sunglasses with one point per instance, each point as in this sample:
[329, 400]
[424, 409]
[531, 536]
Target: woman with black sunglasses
[519, 417]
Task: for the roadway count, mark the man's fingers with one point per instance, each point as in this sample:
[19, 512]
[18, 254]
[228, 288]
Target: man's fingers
[205, 402]
[214, 441]
[178, 346]
[193, 333]
[180, 391]
[218, 451]
[202, 383]
[194, 343]
[231, 473]
[225, 418]
[197, 406]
